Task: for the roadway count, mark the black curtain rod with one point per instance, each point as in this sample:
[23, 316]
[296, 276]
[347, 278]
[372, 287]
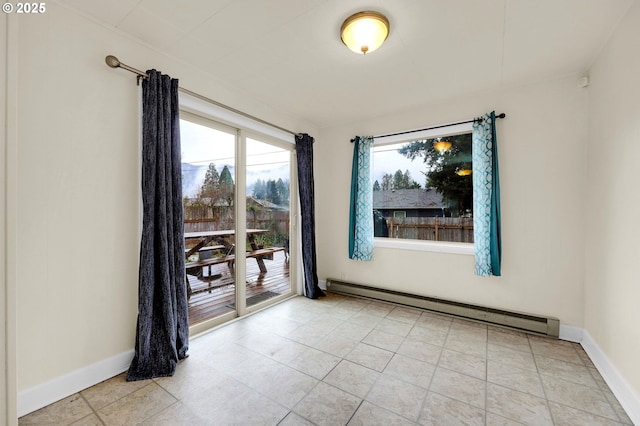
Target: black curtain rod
[475, 120]
[113, 62]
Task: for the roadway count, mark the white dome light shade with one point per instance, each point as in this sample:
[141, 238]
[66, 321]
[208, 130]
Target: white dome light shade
[364, 32]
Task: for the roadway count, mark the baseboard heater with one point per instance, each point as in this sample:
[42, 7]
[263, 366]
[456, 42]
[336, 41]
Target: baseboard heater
[523, 322]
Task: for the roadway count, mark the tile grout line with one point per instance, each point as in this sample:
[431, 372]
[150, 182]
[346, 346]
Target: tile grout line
[92, 409]
[436, 365]
[486, 379]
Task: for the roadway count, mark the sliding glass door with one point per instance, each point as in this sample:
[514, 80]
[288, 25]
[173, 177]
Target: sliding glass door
[208, 187]
[268, 220]
[234, 185]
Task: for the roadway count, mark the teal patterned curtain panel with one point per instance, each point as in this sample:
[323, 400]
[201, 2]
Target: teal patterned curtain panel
[361, 211]
[486, 197]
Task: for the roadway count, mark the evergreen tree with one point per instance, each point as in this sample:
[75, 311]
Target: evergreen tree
[442, 169]
[209, 194]
[211, 182]
[272, 192]
[387, 182]
[398, 180]
[283, 191]
[408, 182]
[227, 188]
[276, 192]
[225, 177]
[260, 190]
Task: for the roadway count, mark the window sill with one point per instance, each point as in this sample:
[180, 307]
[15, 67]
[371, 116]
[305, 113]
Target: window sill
[432, 246]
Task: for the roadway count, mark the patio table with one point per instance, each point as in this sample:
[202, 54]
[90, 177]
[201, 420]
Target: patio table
[223, 238]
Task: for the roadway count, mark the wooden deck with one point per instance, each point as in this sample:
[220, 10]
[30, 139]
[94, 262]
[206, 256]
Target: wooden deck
[221, 298]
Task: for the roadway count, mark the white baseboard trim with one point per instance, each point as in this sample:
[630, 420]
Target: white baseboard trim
[61, 387]
[322, 284]
[625, 394]
[570, 333]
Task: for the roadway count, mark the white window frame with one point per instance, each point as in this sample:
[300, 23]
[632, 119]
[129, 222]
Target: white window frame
[422, 245]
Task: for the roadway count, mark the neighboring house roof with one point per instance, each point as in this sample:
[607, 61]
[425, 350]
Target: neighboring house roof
[408, 199]
[264, 204]
[267, 205]
[207, 201]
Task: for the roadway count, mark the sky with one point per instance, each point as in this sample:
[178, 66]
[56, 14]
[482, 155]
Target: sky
[202, 145]
[386, 159]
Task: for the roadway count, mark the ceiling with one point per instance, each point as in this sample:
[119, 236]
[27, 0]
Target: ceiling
[288, 54]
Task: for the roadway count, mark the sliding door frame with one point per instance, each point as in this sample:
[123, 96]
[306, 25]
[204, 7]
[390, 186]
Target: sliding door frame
[192, 110]
[231, 130]
[293, 216]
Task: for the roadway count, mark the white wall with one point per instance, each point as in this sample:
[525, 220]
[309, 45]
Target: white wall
[4, 384]
[8, 76]
[75, 196]
[612, 314]
[77, 199]
[542, 171]
[77, 203]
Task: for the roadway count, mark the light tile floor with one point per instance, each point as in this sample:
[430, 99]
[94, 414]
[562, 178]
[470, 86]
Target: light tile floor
[343, 360]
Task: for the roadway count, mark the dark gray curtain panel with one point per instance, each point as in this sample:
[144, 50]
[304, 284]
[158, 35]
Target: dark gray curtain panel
[304, 155]
[162, 335]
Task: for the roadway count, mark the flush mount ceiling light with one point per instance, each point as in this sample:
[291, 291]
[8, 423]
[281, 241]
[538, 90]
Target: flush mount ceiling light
[442, 146]
[364, 32]
[463, 172]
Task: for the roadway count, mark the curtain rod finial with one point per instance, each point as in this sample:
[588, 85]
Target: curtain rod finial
[112, 61]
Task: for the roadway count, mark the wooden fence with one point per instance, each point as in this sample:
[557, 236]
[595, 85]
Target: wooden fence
[199, 219]
[280, 225]
[454, 229]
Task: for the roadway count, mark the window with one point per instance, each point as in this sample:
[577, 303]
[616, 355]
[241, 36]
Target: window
[423, 188]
